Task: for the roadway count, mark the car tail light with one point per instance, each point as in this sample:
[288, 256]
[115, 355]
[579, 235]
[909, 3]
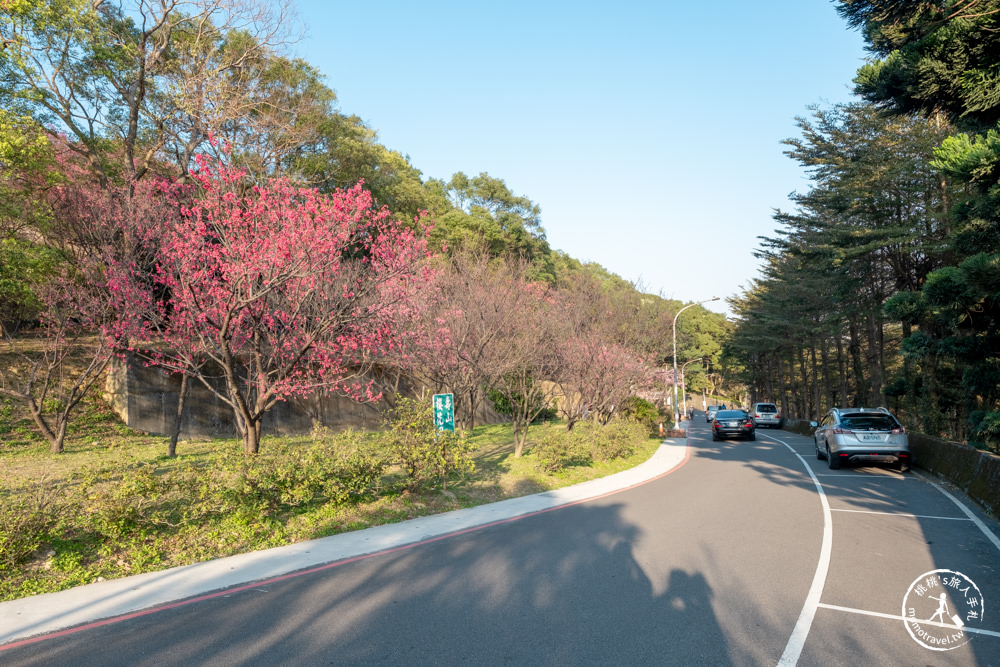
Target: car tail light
[840, 430]
[899, 430]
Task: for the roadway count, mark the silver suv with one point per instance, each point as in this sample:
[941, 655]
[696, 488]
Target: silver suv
[870, 435]
[766, 414]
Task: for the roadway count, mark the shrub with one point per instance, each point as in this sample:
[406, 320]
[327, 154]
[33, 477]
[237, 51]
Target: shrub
[985, 429]
[616, 440]
[642, 411]
[27, 515]
[284, 476]
[588, 442]
[558, 449]
[125, 496]
[425, 454]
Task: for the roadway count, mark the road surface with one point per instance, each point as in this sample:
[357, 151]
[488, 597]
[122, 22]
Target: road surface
[748, 553]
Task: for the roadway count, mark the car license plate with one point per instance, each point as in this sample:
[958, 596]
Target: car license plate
[871, 437]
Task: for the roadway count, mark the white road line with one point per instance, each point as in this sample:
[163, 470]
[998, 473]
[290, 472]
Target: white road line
[793, 649]
[897, 617]
[903, 514]
[986, 531]
[863, 475]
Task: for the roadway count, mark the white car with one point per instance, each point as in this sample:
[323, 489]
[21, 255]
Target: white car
[862, 435]
[766, 414]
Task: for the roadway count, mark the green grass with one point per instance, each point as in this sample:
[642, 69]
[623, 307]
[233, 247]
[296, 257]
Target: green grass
[113, 504]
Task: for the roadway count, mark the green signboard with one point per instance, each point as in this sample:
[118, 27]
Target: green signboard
[444, 412]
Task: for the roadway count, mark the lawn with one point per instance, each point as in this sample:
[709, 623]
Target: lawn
[113, 504]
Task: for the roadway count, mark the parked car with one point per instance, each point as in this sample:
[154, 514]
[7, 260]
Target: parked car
[766, 414]
[862, 435]
[733, 424]
[712, 409]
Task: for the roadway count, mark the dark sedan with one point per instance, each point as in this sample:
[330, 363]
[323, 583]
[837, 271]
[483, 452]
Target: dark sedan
[733, 424]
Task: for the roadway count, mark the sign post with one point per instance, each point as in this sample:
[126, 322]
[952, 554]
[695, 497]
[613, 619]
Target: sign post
[444, 412]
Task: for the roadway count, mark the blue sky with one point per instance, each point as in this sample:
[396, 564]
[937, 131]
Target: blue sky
[648, 132]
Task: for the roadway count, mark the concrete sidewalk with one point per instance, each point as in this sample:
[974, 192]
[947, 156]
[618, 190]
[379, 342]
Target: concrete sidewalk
[50, 612]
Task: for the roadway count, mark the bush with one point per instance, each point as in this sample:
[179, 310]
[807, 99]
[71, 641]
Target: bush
[283, 476]
[616, 440]
[425, 454]
[984, 427]
[586, 443]
[558, 450]
[123, 496]
[642, 411]
[27, 516]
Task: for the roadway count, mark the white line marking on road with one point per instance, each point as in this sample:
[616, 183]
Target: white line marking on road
[863, 475]
[986, 531]
[897, 617]
[793, 649]
[909, 516]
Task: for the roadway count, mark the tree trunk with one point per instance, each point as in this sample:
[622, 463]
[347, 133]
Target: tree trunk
[176, 431]
[782, 396]
[768, 377]
[842, 368]
[251, 439]
[55, 441]
[824, 356]
[930, 409]
[804, 400]
[854, 348]
[520, 437]
[875, 360]
[910, 402]
[472, 408]
[814, 408]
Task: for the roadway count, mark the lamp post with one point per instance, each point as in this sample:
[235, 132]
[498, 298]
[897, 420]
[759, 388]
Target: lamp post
[690, 305]
[683, 387]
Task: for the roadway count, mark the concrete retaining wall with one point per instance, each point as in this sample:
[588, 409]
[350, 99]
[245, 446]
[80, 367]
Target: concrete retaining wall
[146, 400]
[974, 471]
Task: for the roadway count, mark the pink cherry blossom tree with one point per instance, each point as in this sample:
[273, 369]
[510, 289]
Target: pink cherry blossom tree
[276, 291]
[598, 366]
[473, 303]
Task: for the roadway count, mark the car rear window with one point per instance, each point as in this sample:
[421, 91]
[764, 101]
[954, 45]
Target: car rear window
[868, 422]
[766, 407]
[730, 414]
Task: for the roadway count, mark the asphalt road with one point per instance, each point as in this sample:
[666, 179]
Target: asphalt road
[751, 553]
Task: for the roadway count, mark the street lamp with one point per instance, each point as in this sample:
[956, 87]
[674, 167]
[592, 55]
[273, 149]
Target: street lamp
[683, 387]
[690, 305]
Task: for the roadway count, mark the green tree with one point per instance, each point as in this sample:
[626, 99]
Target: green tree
[484, 213]
[931, 57]
[940, 58]
[874, 223]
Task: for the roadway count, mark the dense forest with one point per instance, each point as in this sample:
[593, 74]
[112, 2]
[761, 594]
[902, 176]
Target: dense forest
[882, 286]
[173, 184]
